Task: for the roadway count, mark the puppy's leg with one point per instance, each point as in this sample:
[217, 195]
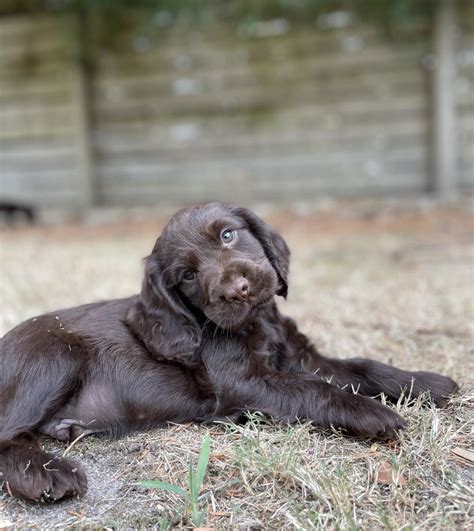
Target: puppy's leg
[38, 375]
[28, 472]
[65, 429]
[370, 377]
[244, 382]
[288, 397]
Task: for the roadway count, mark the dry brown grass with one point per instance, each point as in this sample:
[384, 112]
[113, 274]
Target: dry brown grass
[391, 284]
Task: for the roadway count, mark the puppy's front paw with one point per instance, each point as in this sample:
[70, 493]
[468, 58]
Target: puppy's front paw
[364, 417]
[44, 477]
[440, 387]
[378, 421]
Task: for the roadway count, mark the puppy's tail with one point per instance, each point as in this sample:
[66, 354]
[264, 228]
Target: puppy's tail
[29, 472]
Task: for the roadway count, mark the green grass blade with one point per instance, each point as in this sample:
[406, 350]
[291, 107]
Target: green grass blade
[197, 518]
[192, 493]
[202, 464]
[164, 486]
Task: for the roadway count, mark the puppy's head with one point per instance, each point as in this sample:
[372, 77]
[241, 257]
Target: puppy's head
[218, 261]
[224, 260]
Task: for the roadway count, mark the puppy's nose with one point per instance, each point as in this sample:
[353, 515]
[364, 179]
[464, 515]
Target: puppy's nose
[237, 291]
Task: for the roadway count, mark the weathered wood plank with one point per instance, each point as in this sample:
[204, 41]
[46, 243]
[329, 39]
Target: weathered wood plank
[193, 191]
[36, 134]
[48, 198]
[275, 169]
[39, 93]
[298, 151]
[54, 178]
[297, 89]
[35, 51]
[12, 151]
[285, 123]
[227, 39]
[261, 146]
[297, 70]
[47, 161]
[316, 66]
[211, 53]
[260, 103]
[25, 72]
[16, 28]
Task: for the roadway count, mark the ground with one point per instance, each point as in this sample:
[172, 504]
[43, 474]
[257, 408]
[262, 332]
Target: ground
[383, 281]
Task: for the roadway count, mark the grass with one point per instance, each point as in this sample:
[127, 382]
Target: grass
[191, 495]
[394, 284]
[329, 482]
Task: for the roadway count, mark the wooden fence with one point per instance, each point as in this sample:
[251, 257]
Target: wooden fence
[204, 114]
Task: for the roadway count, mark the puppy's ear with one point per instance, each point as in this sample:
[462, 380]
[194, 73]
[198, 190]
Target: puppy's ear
[162, 321]
[273, 244]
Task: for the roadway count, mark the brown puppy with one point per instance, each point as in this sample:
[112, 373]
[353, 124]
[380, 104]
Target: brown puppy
[203, 340]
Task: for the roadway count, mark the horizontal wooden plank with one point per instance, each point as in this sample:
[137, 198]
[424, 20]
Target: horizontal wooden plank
[326, 126]
[206, 54]
[316, 68]
[33, 109]
[285, 122]
[35, 151]
[465, 102]
[466, 134]
[34, 121]
[286, 193]
[411, 80]
[58, 76]
[16, 147]
[36, 51]
[301, 88]
[194, 133]
[40, 134]
[16, 27]
[51, 88]
[38, 131]
[238, 130]
[224, 37]
[251, 145]
[275, 168]
[38, 197]
[465, 120]
[53, 182]
[56, 177]
[136, 162]
[35, 40]
[241, 70]
[155, 83]
[39, 36]
[28, 72]
[466, 180]
[466, 158]
[262, 104]
[220, 63]
[44, 164]
[208, 40]
[464, 77]
[399, 184]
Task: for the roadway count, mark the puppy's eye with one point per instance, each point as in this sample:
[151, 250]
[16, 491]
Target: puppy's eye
[228, 235]
[189, 275]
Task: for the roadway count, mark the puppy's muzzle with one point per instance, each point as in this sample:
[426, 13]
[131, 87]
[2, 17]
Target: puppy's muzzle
[238, 290]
